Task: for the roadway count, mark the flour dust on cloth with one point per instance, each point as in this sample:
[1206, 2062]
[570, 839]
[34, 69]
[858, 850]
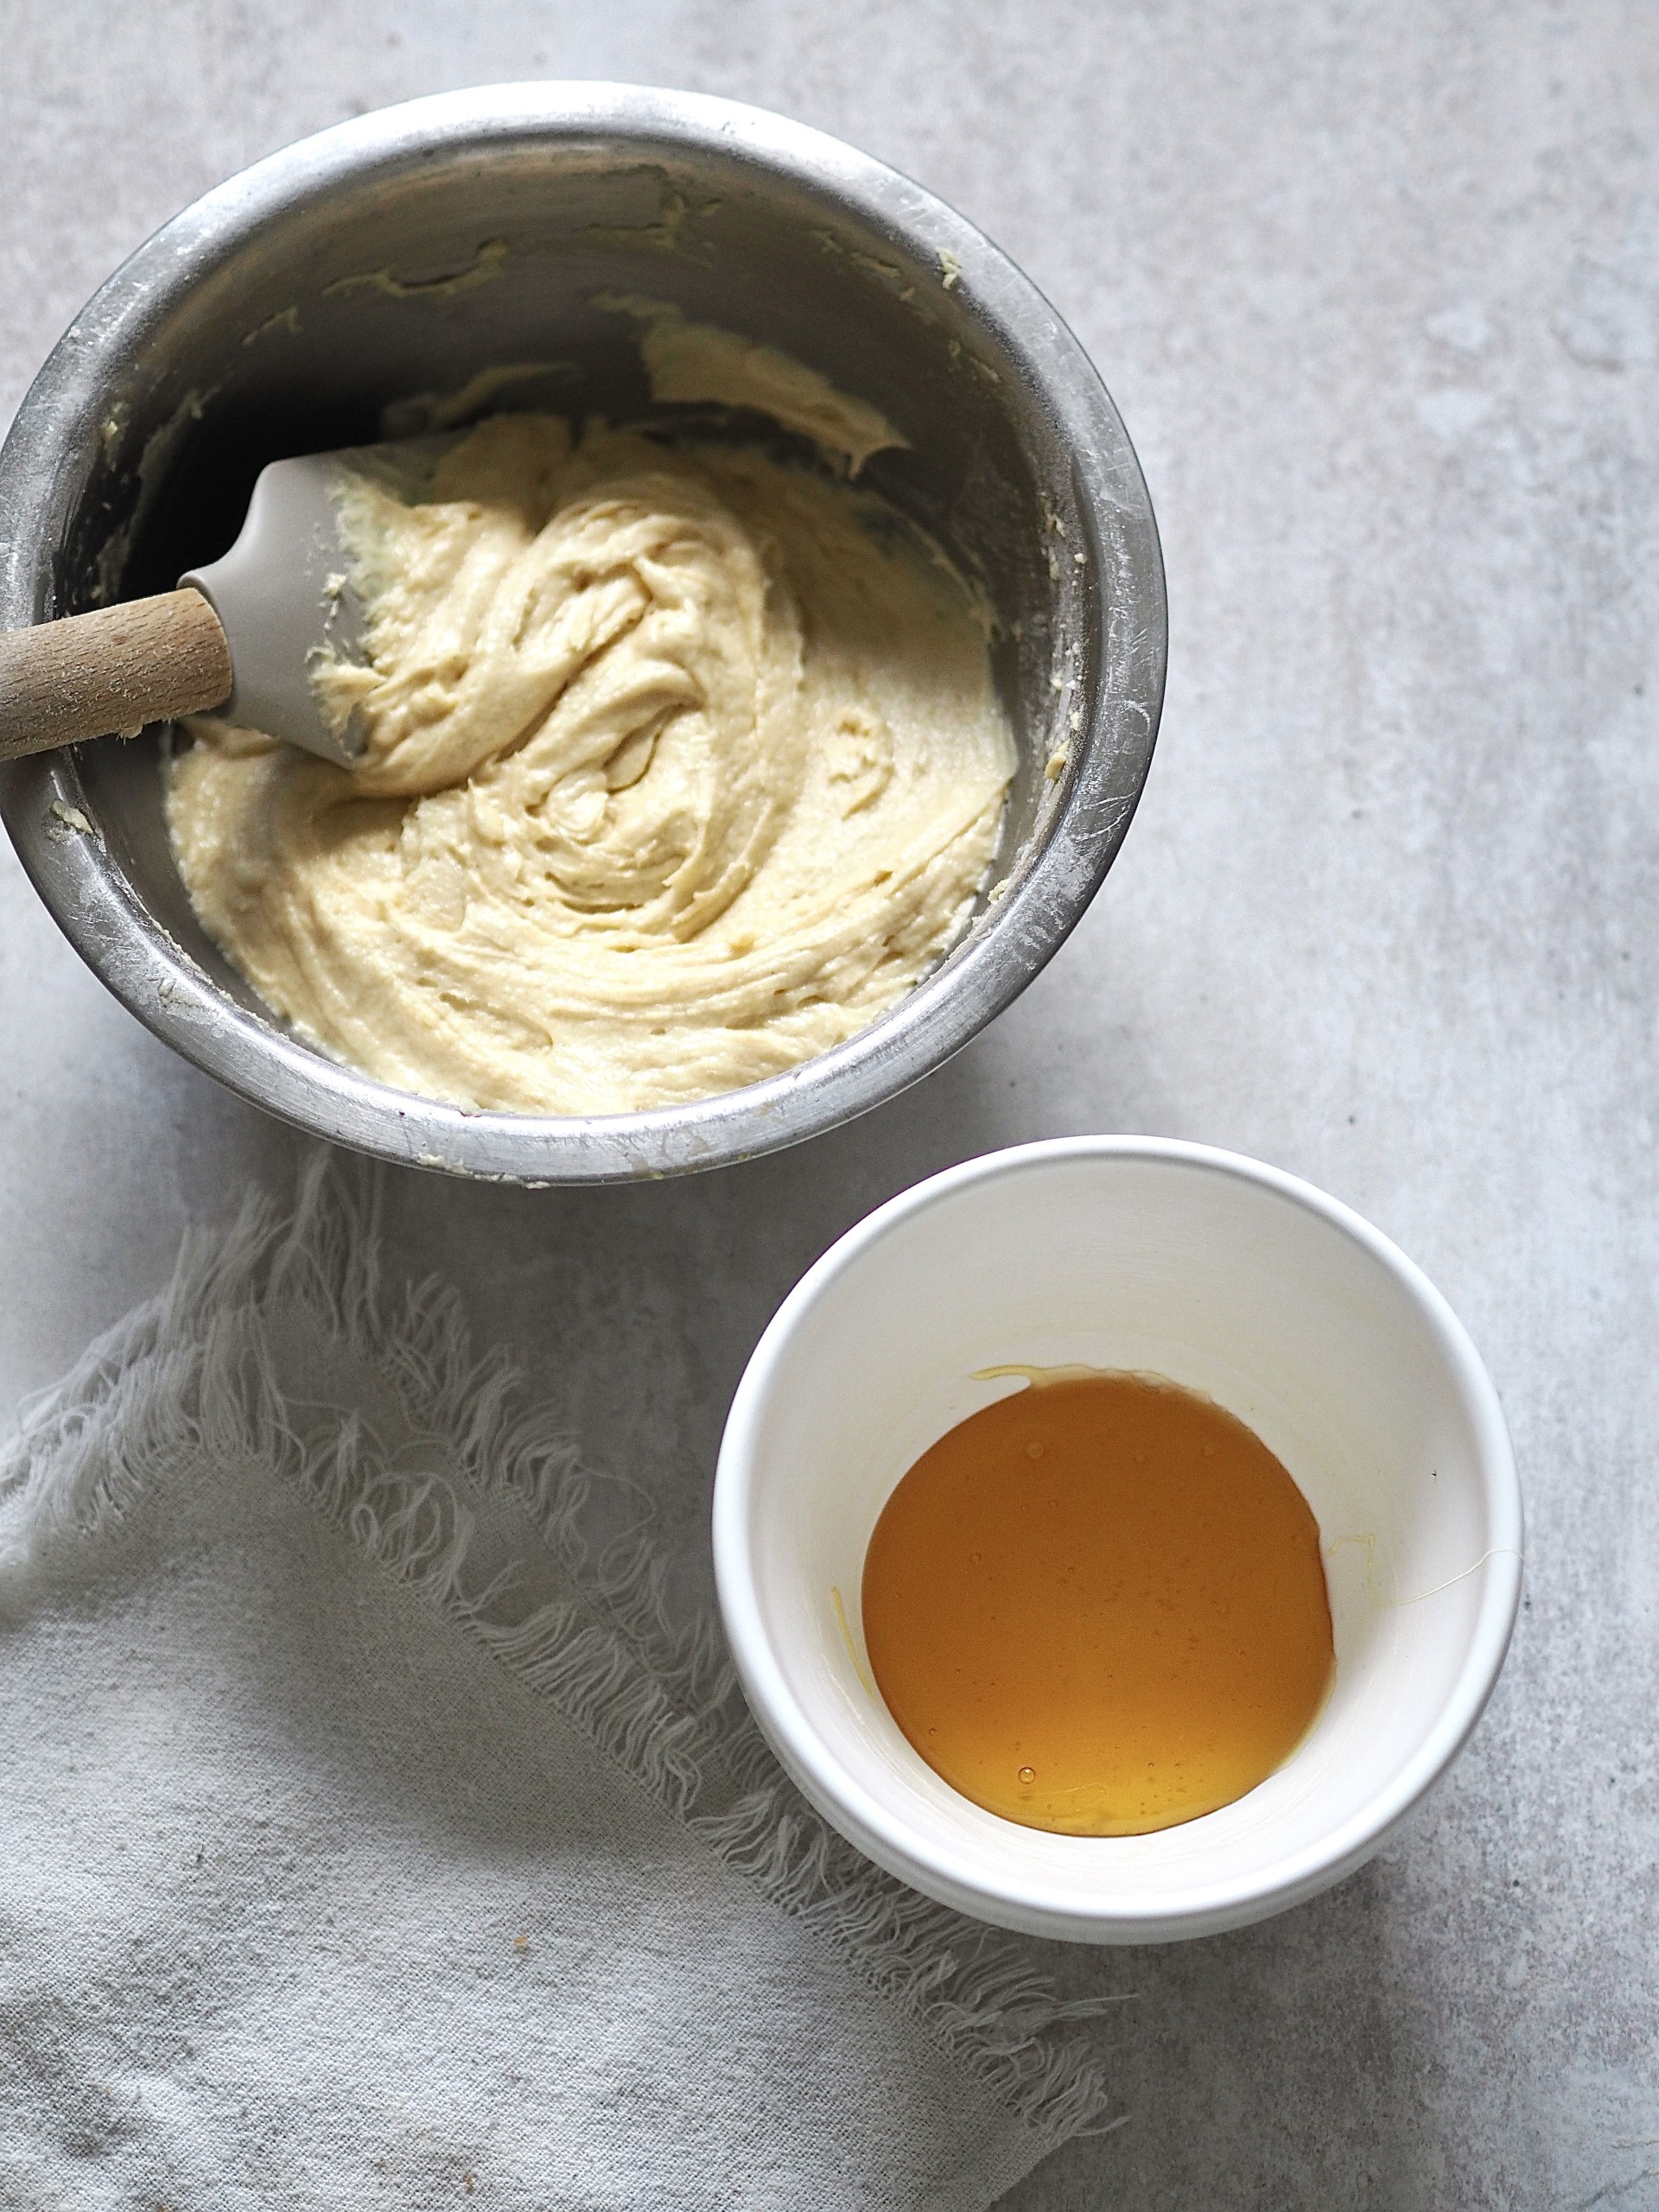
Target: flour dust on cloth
[366, 1838]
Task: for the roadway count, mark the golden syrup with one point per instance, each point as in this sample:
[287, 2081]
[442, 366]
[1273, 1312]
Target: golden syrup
[1098, 1606]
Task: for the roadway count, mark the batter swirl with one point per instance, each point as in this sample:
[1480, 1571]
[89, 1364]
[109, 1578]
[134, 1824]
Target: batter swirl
[681, 767]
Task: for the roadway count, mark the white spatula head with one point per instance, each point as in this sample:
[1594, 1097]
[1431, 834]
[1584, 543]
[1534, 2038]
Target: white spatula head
[284, 595]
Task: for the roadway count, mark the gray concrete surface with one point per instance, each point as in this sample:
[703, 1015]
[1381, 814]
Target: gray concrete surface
[1377, 290]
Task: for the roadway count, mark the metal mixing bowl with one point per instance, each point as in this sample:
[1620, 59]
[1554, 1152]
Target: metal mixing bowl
[410, 251]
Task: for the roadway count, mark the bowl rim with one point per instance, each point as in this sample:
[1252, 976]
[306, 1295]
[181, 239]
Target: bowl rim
[42, 801]
[1031, 1905]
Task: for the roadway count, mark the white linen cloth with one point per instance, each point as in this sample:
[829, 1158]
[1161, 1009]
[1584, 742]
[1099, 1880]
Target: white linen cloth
[367, 1839]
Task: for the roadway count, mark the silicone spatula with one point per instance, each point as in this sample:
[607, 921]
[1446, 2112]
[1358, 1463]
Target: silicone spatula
[239, 639]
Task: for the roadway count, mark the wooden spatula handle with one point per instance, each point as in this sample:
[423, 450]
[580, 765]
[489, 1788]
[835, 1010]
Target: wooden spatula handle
[111, 671]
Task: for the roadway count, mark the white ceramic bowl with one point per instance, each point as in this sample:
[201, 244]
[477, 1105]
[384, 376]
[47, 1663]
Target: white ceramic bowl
[1226, 1276]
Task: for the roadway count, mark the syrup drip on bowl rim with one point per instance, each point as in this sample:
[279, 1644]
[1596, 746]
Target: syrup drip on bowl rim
[1098, 1607]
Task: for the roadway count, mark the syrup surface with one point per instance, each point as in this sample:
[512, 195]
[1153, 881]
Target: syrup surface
[1098, 1606]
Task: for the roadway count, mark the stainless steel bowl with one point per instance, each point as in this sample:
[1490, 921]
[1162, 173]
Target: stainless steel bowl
[412, 250]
